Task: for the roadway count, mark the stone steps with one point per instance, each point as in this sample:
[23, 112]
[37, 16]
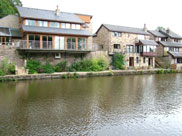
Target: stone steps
[21, 71]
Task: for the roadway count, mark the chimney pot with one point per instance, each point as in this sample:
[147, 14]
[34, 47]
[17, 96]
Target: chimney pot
[145, 28]
[57, 11]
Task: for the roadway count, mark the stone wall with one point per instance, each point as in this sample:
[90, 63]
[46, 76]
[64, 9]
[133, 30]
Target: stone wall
[11, 54]
[10, 21]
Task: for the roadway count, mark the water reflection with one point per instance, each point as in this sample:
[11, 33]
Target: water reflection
[127, 105]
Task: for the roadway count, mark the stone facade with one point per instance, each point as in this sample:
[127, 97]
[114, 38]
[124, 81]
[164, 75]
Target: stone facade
[11, 54]
[11, 21]
[106, 41]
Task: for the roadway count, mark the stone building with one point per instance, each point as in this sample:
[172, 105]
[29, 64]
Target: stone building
[9, 30]
[169, 51]
[133, 43]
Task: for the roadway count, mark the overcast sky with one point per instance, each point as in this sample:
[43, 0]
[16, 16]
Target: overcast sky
[133, 13]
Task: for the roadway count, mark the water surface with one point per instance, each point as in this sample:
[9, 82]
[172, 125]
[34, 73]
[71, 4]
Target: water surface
[106, 106]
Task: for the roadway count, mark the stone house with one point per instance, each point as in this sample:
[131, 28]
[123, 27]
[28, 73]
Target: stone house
[9, 30]
[133, 43]
[169, 51]
[54, 35]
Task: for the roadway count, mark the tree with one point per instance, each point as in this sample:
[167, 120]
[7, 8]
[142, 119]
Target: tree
[8, 7]
[160, 28]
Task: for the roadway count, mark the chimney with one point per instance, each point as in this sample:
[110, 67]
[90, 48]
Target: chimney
[168, 30]
[57, 11]
[145, 28]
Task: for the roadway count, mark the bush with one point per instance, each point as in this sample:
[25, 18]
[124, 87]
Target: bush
[33, 66]
[2, 73]
[11, 68]
[89, 65]
[4, 66]
[61, 67]
[118, 61]
[47, 68]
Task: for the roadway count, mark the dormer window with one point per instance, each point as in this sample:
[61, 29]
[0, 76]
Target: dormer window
[54, 24]
[30, 22]
[63, 25]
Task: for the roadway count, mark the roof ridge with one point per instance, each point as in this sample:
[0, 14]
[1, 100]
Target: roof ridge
[52, 10]
[123, 26]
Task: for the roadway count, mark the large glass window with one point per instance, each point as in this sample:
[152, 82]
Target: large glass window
[30, 22]
[130, 48]
[43, 23]
[34, 41]
[149, 48]
[82, 43]
[59, 42]
[71, 43]
[54, 24]
[73, 26]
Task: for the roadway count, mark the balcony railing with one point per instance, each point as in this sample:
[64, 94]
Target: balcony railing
[152, 54]
[48, 45]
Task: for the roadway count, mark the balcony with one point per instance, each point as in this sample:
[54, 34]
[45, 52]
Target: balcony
[49, 46]
[150, 54]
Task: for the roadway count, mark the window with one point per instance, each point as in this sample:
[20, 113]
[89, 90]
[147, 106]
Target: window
[77, 26]
[117, 46]
[130, 48]
[71, 43]
[63, 25]
[175, 40]
[179, 60]
[68, 25]
[143, 59]
[138, 49]
[54, 24]
[137, 59]
[141, 37]
[34, 41]
[82, 43]
[73, 26]
[149, 48]
[30, 22]
[174, 49]
[116, 34]
[43, 23]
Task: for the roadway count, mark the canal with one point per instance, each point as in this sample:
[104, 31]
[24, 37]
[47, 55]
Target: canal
[105, 106]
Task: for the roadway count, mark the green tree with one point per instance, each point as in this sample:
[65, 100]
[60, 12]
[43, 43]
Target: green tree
[160, 28]
[8, 7]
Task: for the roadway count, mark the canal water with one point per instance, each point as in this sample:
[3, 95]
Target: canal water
[143, 105]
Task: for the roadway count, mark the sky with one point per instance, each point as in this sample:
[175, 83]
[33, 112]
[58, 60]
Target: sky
[131, 13]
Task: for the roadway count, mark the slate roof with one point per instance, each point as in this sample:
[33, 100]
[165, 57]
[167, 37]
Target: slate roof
[171, 34]
[116, 28]
[157, 33]
[51, 30]
[48, 15]
[148, 42]
[9, 32]
[171, 44]
[176, 54]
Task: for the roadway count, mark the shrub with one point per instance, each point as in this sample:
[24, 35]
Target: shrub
[11, 68]
[33, 66]
[2, 73]
[61, 66]
[118, 61]
[47, 68]
[89, 65]
[75, 75]
[4, 66]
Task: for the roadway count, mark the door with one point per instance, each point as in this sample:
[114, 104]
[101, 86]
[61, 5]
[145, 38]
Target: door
[57, 42]
[150, 62]
[131, 61]
[62, 43]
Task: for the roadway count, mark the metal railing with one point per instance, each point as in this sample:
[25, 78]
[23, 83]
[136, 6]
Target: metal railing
[48, 45]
